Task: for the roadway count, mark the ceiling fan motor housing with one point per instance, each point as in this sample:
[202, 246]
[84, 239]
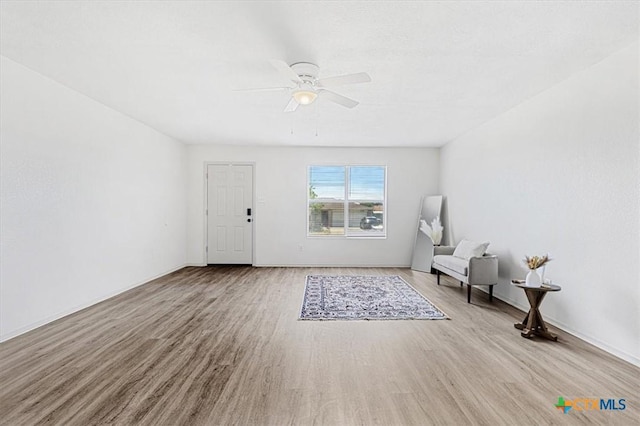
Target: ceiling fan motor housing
[306, 92]
[307, 71]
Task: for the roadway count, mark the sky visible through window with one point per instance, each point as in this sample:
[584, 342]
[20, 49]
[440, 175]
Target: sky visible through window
[365, 182]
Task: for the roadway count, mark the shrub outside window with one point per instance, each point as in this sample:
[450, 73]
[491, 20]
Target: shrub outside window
[347, 201]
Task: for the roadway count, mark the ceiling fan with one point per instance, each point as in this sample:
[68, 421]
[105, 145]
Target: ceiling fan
[307, 86]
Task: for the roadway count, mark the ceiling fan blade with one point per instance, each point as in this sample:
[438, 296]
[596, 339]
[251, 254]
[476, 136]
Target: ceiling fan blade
[291, 106]
[339, 99]
[263, 89]
[285, 70]
[361, 77]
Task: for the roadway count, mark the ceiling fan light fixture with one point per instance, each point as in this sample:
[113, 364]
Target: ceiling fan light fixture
[305, 96]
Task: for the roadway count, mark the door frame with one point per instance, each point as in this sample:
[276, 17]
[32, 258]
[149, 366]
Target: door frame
[206, 205]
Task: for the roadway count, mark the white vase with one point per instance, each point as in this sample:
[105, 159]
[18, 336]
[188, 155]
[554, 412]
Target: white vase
[533, 279]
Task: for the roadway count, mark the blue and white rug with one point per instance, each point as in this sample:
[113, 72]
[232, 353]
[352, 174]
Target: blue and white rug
[360, 297]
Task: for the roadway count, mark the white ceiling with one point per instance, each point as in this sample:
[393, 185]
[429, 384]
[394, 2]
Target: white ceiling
[439, 69]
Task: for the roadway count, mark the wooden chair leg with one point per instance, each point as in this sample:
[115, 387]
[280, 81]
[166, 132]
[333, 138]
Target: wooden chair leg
[438, 276]
[460, 283]
[468, 293]
[490, 293]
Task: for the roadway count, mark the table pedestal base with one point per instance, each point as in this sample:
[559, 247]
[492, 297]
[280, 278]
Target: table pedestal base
[533, 324]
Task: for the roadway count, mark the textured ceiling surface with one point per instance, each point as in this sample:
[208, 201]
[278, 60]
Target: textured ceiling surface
[438, 69]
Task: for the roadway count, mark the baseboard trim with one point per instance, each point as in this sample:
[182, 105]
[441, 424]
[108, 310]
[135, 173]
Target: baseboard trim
[309, 265]
[77, 308]
[568, 329]
[283, 265]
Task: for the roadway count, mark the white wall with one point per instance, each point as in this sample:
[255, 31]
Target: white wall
[560, 174]
[92, 203]
[280, 210]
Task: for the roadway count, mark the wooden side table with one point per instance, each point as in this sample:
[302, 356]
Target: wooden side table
[533, 324]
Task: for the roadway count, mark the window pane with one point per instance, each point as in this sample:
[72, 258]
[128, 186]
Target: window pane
[366, 218]
[326, 218]
[366, 183]
[326, 182]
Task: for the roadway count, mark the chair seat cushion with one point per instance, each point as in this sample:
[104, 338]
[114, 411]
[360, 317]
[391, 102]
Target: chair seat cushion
[456, 264]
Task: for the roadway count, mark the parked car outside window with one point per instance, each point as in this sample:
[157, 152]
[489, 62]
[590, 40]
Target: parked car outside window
[369, 222]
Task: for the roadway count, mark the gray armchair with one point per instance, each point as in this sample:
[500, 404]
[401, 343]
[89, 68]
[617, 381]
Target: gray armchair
[482, 270]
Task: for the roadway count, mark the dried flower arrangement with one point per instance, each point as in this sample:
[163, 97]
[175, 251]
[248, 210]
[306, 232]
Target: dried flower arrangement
[535, 262]
[434, 231]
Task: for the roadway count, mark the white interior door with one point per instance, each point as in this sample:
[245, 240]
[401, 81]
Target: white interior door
[229, 214]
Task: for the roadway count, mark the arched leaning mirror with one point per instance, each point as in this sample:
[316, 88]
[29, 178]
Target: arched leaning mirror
[430, 208]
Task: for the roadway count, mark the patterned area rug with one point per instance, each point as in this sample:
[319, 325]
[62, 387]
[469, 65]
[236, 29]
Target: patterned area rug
[358, 297]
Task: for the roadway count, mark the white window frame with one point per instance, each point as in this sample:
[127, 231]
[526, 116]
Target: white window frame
[347, 171]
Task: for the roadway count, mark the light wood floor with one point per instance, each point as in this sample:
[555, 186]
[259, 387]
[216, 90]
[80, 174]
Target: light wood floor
[222, 345]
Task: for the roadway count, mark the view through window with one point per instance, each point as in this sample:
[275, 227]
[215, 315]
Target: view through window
[347, 200]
